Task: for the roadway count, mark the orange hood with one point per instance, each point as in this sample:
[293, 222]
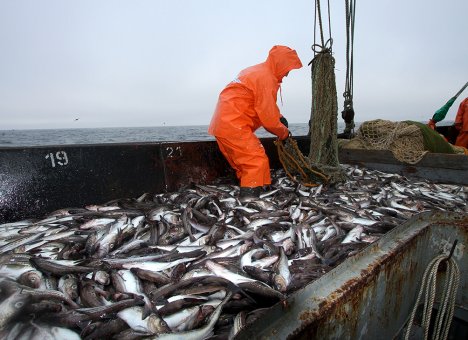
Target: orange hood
[249, 101]
[282, 59]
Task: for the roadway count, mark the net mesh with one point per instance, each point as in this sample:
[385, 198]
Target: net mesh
[403, 139]
[297, 166]
[323, 152]
[322, 164]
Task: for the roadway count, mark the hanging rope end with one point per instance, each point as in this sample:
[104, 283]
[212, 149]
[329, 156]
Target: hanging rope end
[452, 250]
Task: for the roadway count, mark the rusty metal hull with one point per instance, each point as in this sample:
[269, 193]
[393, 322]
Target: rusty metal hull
[371, 295]
[37, 180]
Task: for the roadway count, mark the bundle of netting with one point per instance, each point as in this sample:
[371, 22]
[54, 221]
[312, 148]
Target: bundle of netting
[408, 141]
[323, 152]
[298, 167]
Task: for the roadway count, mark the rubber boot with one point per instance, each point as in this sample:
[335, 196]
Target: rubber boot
[267, 187]
[248, 194]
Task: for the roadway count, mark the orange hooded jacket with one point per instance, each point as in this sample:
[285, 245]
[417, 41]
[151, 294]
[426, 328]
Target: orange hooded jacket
[249, 101]
[461, 120]
[462, 115]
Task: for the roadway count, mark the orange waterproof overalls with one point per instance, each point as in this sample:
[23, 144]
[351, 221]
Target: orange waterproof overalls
[244, 105]
[461, 120]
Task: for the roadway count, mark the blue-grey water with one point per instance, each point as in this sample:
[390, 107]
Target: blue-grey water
[14, 138]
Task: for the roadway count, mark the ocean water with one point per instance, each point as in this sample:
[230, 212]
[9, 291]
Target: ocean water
[15, 138]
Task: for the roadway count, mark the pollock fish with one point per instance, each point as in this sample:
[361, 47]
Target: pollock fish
[200, 333]
[152, 324]
[19, 242]
[282, 278]
[58, 267]
[354, 235]
[12, 306]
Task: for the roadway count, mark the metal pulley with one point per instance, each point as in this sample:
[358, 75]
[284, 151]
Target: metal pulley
[348, 112]
[348, 116]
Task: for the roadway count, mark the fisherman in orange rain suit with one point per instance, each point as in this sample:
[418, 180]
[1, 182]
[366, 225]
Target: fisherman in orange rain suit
[245, 104]
[461, 124]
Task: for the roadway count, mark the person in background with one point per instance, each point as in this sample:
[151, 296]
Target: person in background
[461, 124]
[245, 104]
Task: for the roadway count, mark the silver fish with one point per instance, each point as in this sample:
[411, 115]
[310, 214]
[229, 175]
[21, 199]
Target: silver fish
[152, 324]
[19, 242]
[200, 333]
[12, 306]
[68, 285]
[282, 278]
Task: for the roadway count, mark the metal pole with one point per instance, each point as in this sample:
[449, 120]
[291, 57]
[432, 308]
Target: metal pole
[461, 90]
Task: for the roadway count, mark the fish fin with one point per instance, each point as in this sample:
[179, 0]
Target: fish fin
[147, 310]
[82, 324]
[236, 289]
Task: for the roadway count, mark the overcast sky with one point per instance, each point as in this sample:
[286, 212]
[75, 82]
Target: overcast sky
[111, 63]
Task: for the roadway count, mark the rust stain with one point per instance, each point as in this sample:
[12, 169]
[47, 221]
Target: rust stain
[410, 170]
[345, 302]
[343, 306]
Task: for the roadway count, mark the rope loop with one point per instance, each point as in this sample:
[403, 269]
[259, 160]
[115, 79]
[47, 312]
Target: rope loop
[322, 49]
[319, 48]
[447, 301]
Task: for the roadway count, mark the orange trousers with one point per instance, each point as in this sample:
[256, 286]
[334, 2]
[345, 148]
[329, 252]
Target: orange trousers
[462, 139]
[248, 158]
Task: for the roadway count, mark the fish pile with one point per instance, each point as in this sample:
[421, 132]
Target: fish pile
[197, 263]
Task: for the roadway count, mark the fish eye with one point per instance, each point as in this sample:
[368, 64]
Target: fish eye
[19, 304]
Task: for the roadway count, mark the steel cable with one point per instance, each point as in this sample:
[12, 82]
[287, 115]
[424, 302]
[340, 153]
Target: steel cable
[348, 110]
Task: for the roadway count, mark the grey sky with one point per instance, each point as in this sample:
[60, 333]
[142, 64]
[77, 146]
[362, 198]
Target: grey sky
[116, 63]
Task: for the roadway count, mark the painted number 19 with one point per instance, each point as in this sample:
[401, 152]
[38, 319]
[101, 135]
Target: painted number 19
[59, 158]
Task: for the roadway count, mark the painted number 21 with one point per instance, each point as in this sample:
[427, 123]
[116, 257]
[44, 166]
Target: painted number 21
[173, 152]
[60, 158]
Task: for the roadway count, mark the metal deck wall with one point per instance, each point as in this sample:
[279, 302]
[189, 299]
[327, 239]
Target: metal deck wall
[37, 180]
[370, 295]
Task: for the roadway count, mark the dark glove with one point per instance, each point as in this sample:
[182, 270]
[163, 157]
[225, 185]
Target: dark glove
[284, 121]
[289, 135]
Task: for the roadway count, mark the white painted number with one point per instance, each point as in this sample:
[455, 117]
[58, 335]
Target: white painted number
[173, 152]
[60, 158]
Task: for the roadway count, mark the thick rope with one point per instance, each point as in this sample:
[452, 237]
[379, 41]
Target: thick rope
[296, 165]
[322, 164]
[447, 302]
[319, 15]
[348, 110]
[323, 152]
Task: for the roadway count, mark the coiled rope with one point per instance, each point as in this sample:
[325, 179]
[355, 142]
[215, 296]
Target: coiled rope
[447, 302]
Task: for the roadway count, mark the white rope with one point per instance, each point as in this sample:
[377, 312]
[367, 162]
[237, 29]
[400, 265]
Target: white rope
[447, 301]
